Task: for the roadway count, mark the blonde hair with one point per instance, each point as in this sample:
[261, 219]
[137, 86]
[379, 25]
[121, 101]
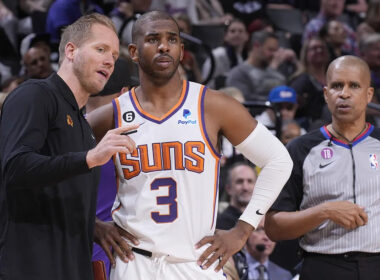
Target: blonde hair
[79, 31]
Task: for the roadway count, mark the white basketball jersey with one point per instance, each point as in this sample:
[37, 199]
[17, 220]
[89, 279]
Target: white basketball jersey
[168, 188]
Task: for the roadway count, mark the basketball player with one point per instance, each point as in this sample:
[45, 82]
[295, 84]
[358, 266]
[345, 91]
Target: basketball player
[166, 203]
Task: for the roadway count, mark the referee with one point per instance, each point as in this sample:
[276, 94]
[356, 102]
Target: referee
[331, 200]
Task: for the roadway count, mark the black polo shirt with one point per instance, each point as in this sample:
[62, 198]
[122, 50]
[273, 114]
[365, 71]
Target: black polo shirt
[50, 192]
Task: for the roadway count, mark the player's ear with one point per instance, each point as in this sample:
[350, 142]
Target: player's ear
[133, 52]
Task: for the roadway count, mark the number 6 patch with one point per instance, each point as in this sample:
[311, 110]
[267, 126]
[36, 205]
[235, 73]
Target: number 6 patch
[129, 116]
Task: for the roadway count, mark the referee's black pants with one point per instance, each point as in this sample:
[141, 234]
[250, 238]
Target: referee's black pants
[349, 266]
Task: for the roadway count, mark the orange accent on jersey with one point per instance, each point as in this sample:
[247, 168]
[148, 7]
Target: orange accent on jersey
[134, 163]
[144, 158]
[203, 129]
[178, 155]
[169, 112]
[198, 166]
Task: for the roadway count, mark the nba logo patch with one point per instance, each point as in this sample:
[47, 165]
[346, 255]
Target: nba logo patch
[373, 161]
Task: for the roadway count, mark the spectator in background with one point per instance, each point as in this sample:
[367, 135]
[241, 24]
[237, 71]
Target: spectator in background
[188, 66]
[61, 13]
[37, 63]
[246, 10]
[241, 180]
[258, 74]
[309, 82]
[211, 12]
[198, 11]
[232, 53]
[335, 35]
[370, 52]
[258, 249]
[371, 24]
[284, 100]
[289, 131]
[330, 10]
[176, 7]
[125, 14]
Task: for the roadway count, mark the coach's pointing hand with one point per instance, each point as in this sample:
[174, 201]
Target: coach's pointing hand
[113, 142]
[223, 245]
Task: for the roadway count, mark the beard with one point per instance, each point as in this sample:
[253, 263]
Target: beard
[87, 85]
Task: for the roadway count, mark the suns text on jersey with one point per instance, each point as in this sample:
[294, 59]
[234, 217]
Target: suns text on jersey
[187, 156]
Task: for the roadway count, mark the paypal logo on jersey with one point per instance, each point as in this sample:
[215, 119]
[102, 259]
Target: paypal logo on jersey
[186, 113]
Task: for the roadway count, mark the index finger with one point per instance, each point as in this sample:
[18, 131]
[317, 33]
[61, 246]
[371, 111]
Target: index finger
[126, 128]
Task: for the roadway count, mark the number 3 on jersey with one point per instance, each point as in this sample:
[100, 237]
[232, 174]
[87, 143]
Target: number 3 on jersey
[170, 200]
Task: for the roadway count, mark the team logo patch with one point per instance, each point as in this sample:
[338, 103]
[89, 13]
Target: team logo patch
[327, 153]
[373, 161]
[186, 113]
[69, 120]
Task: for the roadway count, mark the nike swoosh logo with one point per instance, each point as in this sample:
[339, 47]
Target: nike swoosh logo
[258, 212]
[324, 165]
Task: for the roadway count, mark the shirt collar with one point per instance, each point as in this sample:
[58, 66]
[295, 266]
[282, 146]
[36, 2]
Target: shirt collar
[252, 262]
[63, 89]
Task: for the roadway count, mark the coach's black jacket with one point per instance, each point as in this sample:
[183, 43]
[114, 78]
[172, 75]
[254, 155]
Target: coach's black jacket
[49, 211]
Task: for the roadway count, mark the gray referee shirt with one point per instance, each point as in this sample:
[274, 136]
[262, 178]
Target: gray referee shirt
[326, 169]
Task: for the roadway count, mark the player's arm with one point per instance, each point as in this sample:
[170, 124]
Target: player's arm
[226, 116]
[101, 120]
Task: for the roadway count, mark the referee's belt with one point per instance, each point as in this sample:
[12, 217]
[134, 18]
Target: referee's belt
[346, 256]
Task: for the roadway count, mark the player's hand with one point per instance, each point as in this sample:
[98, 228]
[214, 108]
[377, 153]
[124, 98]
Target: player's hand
[223, 245]
[108, 234]
[346, 214]
[113, 142]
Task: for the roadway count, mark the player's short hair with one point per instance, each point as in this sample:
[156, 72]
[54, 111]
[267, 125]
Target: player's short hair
[149, 17]
[80, 31]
